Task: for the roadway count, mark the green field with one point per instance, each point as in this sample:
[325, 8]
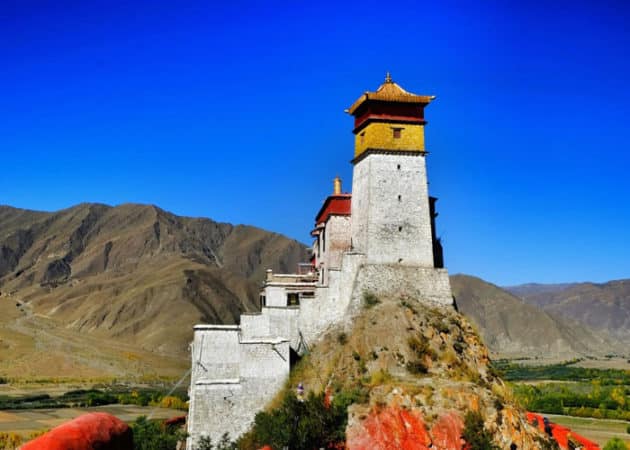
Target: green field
[593, 401]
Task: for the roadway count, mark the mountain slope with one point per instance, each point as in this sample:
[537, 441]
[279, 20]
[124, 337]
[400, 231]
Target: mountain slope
[413, 372]
[512, 328]
[132, 273]
[604, 307]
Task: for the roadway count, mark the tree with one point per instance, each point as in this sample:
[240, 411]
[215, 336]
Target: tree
[152, 435]
[615, 444]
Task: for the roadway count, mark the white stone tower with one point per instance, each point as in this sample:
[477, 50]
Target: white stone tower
[391, 213]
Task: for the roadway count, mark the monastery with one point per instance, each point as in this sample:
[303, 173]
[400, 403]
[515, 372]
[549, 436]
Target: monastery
[380, 239]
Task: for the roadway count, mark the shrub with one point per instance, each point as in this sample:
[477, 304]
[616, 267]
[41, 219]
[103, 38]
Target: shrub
[545, 443]
[420, 346]
[152, 435]
[615, 444]
[628, 429]
[342, 338]
[225, 443]
[10, 440]
[173, 402]
[204, 443]
[100, 398]
[370, 299]
[307, 424]
[417, 366]
[475, 434]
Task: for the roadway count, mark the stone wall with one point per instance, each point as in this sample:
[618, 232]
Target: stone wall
[426, 285]
[338, 240]
[330, 303]
[390, 209]
[241, 378]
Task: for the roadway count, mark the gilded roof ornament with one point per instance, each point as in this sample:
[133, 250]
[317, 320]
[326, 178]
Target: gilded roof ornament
[390, 91]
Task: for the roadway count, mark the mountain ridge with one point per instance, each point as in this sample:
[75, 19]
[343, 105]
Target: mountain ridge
[131, 273]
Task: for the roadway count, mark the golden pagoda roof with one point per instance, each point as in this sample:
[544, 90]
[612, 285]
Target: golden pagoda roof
[390, 92]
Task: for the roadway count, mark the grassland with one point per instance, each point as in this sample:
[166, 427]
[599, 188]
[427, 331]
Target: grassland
[592, 397]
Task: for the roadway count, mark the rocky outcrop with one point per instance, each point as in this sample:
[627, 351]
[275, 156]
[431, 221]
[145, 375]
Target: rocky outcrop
[422, 370]
[87, 432]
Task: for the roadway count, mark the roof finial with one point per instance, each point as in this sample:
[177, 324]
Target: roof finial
[337, 186]
[388, 78]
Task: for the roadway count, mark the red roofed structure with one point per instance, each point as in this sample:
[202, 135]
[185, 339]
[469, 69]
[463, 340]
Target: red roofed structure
[338, 205]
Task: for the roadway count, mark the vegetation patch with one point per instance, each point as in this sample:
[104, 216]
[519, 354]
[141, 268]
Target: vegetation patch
[581, 399]
[154, 435]
[370, 299]
[475, 434]
[97, 397]
[561, 372]
[312, 423]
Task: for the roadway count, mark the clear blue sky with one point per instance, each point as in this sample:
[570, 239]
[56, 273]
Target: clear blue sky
[234, 111]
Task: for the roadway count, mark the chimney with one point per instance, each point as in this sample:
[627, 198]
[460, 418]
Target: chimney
[337, 186]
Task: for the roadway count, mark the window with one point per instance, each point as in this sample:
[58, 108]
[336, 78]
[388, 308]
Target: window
[263, 301]
[362, 137]
[399, 228]
[397, 132]
[400, 198]
[293, 299]
[398, 167]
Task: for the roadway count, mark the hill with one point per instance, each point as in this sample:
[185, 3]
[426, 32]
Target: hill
[603, 307]
[96, 290]
[512, 328]
[410, 373]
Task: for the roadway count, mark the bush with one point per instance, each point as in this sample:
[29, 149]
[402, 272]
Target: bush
[615, 444]
[173, 402]
[628, 429]
[153, 435]
[307, 424]
[417, 366]
[475, 435]
[342, 338]
[370, 299]
[100, 398]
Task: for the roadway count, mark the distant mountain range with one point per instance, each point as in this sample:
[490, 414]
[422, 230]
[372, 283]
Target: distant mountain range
[605, 307]
[100, 290]
[513, 327]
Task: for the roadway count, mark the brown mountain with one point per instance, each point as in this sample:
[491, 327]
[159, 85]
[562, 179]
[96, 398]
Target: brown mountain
[513, 328]
[604, 307]
[132, 277]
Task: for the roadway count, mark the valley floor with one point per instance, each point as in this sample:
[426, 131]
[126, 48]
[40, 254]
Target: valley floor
[598, 430]
[27, 421]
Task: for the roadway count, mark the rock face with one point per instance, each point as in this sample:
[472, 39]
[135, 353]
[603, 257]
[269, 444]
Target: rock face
[86, 432]
[423, 370]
